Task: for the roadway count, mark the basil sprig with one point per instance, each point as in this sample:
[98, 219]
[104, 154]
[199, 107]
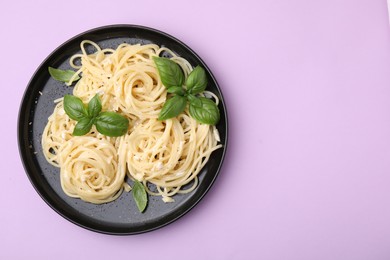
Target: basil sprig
[201, 109]
[204, 111]
[170, 73]
[139, 195]
[173, 107]
[196, 81]
[63, 75]
[107, 123]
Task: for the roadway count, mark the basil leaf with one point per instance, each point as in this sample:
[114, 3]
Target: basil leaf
[62, 75]
[170, 72]
[173, 107]
[74, 107]
[139, 195]
[194, 101]
[94, 106]
[176, 90]
[208, 113]
[196, 81]
[83, 126]
[111, 124]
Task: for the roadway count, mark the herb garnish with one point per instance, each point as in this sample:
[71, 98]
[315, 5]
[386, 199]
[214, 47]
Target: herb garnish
[201, 109]
[139, 195]
[107, 123]
[63, 75]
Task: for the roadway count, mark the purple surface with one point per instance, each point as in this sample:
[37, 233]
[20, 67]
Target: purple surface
[307, 86]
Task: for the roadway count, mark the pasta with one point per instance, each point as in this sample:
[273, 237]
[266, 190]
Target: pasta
[165, 156]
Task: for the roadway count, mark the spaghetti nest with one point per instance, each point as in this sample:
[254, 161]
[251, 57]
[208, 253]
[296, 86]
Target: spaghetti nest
[166, 156]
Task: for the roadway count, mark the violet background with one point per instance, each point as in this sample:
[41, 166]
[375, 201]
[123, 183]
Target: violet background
[307, 86]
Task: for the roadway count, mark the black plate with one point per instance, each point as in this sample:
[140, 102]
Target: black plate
[120, 216]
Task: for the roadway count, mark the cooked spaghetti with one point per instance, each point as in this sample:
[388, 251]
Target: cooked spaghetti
[166, 156]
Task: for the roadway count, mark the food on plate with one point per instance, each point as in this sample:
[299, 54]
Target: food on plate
[140, 118]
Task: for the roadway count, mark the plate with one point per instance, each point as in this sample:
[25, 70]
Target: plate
[120, 217]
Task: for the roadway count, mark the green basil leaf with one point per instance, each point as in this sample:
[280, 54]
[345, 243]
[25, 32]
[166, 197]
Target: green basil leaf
[94, 106]
[208, 113]
[83, 126]
[194, 101]
[170, 72]
[196, 81]
[176, 90]
[139, 195]
[111, 124]
[173, 107]
[62, 75]
[74, 107]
